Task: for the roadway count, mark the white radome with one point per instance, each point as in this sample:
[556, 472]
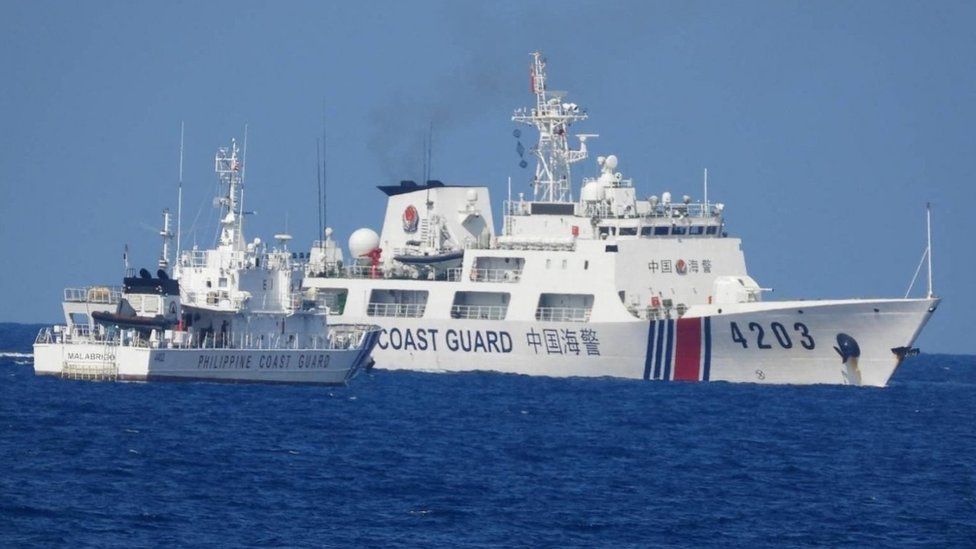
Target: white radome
[362, 241]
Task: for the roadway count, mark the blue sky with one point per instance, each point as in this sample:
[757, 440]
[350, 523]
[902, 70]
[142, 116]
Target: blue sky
[825, 126]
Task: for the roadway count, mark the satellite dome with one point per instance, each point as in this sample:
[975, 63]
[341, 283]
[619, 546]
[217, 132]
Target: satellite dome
[611, 162]
[362, 241]
[592, 192]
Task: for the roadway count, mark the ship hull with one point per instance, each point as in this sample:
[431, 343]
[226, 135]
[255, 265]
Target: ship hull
[113, 362]
[848, 342]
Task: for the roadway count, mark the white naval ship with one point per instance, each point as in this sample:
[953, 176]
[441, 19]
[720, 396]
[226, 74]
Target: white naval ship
[233, 313]
[606, 284]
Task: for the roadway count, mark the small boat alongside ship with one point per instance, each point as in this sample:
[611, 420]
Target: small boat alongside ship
[234, 313]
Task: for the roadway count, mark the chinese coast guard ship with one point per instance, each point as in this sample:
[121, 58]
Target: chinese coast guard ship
[605, 284]
[232, 313]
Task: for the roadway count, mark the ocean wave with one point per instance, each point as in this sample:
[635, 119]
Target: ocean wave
[13, 354]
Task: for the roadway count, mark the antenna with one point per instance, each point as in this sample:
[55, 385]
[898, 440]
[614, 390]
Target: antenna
[240, 216]
[167, 235]
[325, 176]
[706, 192]
[318, 177]
[179, 198]
[928, 239]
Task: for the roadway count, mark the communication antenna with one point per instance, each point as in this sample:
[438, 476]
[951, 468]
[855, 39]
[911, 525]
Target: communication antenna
[325, 178]
[240, 217]
[179, 198]
[706, 192]
[928, 240]
[167, 235]
[318, 177]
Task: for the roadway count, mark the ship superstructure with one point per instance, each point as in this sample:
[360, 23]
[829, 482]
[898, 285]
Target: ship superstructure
[604, 284]
[234, 312]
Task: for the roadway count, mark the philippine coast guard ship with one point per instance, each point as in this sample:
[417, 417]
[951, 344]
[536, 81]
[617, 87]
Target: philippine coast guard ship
[232, 313]
[605, 284]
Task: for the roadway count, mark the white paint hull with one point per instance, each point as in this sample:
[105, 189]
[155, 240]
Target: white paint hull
[796, 347]
[99, 361]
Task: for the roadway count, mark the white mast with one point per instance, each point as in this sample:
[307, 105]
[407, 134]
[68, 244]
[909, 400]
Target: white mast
[167, 236]
[706, 193]
[179, 198]
[230, 171]
[552, 118]
[928, 239]
[240, 216]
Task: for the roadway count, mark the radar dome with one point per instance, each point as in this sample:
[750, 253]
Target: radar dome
[611, 162]
[592, 192]
[362, 241]
[472, 195]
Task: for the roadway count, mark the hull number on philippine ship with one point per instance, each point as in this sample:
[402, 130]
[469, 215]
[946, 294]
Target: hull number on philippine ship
[756, 334]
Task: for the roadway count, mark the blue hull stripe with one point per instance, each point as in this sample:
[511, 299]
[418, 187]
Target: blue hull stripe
[649, 357]
[707, 361]
[658, 346]
[667, 354]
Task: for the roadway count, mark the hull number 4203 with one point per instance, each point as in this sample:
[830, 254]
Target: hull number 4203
[758, 334]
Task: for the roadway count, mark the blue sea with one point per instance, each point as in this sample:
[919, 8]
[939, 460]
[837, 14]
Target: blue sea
[479, 460]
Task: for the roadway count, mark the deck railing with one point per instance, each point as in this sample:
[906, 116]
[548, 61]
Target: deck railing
[563, 314]
[108, 295]
[408, 310]
[487, 275]
[342, 336]
[482, 312]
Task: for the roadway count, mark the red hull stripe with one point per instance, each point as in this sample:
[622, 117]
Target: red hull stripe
[687, 362]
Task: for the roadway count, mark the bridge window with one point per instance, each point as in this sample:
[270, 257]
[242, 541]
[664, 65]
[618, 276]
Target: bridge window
[79, 319]
[679, 230]
[661, 231]
[696, 230]
[711, 230]
[628, 231]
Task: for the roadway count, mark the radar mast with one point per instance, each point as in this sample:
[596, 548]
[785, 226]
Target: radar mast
[228, 168]
[552, 117]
